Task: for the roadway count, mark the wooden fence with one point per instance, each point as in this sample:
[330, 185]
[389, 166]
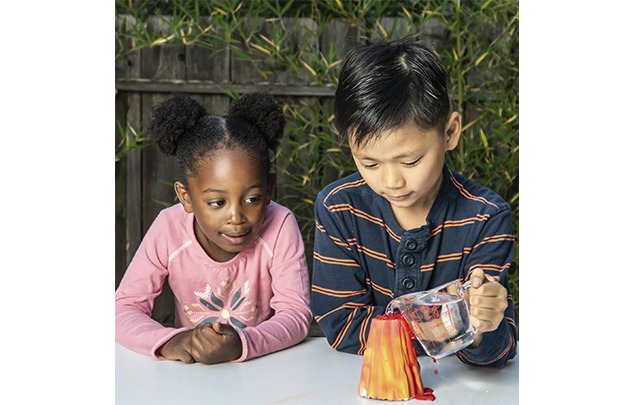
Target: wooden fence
[145, 77]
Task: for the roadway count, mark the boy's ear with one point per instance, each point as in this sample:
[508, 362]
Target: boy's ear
[453, 130]
[183, 195]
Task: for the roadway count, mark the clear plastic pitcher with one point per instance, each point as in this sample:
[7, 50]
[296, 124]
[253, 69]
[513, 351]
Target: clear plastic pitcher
[439, 318]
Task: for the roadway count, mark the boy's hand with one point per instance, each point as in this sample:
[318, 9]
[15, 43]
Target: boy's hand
[215, 343]
[178, 348]
[487, 300]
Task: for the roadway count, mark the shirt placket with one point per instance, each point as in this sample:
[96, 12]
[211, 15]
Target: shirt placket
[408, 276]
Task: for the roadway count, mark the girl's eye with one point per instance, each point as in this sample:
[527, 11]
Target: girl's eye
[216, 204]
[413, 163]
[252, 199]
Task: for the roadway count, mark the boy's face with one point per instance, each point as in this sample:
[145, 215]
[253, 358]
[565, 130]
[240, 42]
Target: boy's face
[405, 165]
[228, 196]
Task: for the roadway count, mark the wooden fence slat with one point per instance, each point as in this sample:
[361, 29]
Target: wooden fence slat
[128, 233]
[158, 170]
[209, 87]
[203, 64]
[340, 35]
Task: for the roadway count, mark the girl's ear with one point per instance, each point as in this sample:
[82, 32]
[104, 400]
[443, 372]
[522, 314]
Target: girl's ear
[453, 130]
[183, 195]
[271, 184]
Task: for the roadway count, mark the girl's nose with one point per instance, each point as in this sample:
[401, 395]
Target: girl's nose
[236, 214]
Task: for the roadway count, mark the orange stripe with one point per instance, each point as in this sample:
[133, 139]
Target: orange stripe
[487, 266]
[449, 257]
[467, 194]
[335, 240]
[362, 331]
[336, 293]
[348, 323]
[355, 211]
[362, 214]
[461, 222]
[382, 290]
[467, 250]
[343, 306]
[495, 238]
[371, 253]
[426, 267]
[490, 239]
[337, 189]
[342, 333]
[334, 260]
[374, 254]
[339, 242]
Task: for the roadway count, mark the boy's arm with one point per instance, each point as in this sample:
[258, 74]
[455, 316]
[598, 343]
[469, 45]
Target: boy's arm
[341, 297]
[493, 253]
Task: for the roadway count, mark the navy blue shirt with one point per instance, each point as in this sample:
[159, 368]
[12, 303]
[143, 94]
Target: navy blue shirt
[363, 258]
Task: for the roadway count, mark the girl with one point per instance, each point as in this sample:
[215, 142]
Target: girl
[235, 259]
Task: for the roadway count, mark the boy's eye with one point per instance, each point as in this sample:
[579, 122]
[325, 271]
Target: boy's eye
[413, 163]
[216, 204]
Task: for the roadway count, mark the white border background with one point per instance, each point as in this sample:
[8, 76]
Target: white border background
[576, 137]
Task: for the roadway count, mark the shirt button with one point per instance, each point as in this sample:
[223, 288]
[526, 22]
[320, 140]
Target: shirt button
[408, 259]
[407, 283]
[411, 244]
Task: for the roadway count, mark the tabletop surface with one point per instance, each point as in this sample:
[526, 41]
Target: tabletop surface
[309, 373]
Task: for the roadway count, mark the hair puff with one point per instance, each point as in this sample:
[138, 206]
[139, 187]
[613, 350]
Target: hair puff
[261, 110]
[173, 118]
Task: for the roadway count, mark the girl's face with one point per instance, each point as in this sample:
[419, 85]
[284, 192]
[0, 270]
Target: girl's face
[405, 166]
[228, 197]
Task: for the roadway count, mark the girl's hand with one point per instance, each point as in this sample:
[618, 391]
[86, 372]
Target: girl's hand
[178, 348]
[215, 343]
[487, 300]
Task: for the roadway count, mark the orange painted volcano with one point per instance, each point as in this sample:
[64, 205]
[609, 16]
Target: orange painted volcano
[390, 370]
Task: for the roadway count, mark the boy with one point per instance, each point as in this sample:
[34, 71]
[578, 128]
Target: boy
[405, 221]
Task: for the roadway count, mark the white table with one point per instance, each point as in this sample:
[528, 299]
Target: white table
[309, 373]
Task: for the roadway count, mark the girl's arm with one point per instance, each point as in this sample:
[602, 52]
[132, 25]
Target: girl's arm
[134, 298]
[291, 298]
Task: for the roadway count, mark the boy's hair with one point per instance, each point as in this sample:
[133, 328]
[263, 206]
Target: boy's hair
[182, 127]
[384, 86]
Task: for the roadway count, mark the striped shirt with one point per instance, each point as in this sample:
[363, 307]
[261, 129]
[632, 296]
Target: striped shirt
[363, 259]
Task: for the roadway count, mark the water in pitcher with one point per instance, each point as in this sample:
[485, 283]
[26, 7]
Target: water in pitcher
[440, 321]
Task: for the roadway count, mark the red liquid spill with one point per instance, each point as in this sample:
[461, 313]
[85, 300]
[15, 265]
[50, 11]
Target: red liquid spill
[397, 315]
[386, 317]
[436, 371]
[428, 395]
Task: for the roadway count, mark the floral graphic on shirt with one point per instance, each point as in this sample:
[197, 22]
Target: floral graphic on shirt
[227, 304]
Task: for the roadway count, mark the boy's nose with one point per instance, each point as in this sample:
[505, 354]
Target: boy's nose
[392, 178]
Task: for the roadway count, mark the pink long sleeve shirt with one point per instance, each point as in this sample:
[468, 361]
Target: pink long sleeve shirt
[263, 292]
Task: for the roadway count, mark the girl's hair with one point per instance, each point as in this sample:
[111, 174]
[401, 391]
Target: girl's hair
[386, 85]
[183, 128]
